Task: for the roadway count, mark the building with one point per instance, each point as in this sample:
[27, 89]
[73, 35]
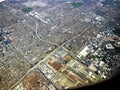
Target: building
[109, 46]
[84, 52]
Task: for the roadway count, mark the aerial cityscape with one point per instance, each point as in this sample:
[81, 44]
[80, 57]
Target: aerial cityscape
[58, 44]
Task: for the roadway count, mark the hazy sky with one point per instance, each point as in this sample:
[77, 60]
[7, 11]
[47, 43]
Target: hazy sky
[2, 0]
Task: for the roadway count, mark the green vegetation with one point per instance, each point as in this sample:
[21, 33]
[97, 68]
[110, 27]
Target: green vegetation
[71, 69]
[76, 4]
[26, 9]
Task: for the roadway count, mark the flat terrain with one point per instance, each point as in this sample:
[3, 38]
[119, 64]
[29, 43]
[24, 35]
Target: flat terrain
[57, 44]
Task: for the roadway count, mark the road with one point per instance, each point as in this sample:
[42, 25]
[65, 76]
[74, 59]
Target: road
[59, 46]
[38, 36]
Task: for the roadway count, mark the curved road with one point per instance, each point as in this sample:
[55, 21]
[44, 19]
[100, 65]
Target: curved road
[41, 36]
